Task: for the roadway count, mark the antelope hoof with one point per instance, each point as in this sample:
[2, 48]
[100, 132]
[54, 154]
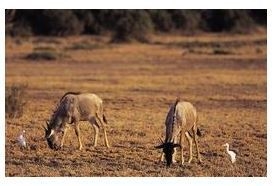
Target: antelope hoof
[189, 161]
[80, 148]
[200, 161]
[182, 163]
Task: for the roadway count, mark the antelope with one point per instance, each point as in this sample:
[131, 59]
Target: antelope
[75, 107]
[181, 120]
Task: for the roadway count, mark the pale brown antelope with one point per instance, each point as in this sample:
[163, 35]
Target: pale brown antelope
[75, 107]
[181, 120]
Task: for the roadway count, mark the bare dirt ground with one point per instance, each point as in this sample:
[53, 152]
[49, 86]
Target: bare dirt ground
[223, 76]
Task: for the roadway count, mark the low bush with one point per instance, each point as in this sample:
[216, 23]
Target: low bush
[15, 100]
[43, 55]
[220, 51]
[133, 25]
[84, 46]
[44, 48]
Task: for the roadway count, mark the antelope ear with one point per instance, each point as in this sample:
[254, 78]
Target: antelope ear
[160, 146]
[44, 128]
[176, 145]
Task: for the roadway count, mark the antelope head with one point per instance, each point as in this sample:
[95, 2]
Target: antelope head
[51, 137]
[168, 150]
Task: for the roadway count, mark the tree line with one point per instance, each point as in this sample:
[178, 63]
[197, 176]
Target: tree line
[126, 25]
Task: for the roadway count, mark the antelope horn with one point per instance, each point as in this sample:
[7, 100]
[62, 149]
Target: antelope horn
[160, 146]
[51, 133]
[160, 140]
[47, 123]
[44, 127]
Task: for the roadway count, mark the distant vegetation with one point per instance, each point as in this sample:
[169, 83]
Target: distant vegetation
[15, 100]
[127, 25]
[43, 55]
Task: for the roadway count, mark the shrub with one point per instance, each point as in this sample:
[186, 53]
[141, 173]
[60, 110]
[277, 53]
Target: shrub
[162, 20]
[108, 19]
[43, 55]
[84, 46]
[20, 28]
[15, 100]
[259, 16]
[90, 23]
[133, 25]
[227, 20]
[16, 24]
[186, 20]
[58, 23]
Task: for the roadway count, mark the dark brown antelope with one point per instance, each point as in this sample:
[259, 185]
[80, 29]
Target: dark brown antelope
[181, 120]
[75, 107]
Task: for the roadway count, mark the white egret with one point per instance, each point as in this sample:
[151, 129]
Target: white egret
[231, 153]
[21, 139]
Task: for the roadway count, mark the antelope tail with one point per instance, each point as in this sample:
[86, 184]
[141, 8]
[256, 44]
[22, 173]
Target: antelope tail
[177, 101]
[199, 132]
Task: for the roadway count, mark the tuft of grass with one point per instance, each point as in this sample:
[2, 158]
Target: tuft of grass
[43, 55]
[221, 51]
[85, 46]
[15, 100]
[44, 48]
[48, 40]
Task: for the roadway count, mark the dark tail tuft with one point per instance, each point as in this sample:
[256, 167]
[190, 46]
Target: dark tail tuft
[177, 101]
[199, 132]
[74, 93]
[104, 119]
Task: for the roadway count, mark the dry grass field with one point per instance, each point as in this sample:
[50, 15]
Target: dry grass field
[224, 76]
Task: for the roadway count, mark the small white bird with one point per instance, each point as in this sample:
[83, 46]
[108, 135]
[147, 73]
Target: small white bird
[231, 153]
[21, 139]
